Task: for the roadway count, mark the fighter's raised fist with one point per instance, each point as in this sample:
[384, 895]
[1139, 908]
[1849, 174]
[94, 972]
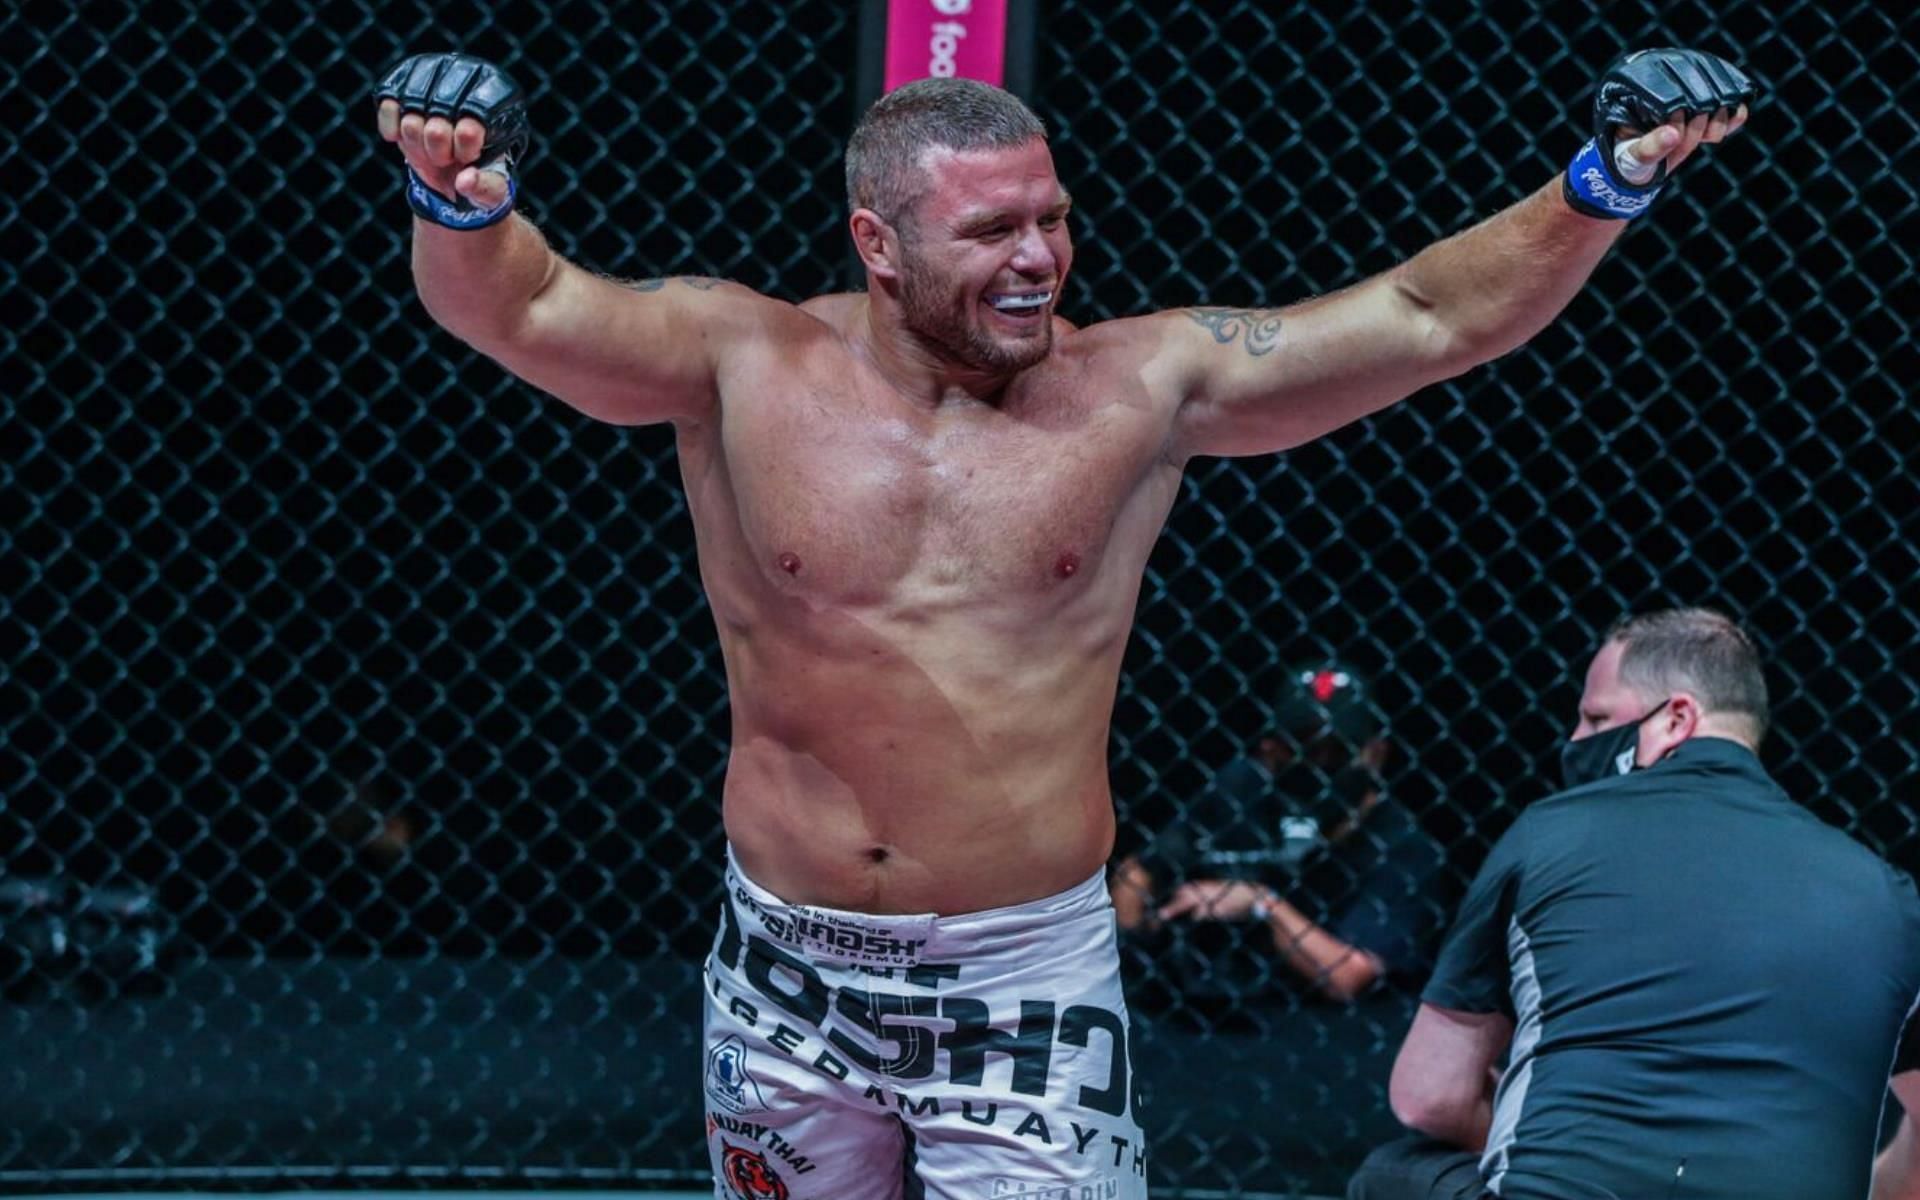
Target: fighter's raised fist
[1652, 110]
[461, 122]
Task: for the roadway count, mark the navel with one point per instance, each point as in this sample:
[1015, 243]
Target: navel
[790, 562]
[1067, 566]
[878, 854]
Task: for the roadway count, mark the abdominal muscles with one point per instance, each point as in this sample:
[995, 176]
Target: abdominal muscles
[925, 761]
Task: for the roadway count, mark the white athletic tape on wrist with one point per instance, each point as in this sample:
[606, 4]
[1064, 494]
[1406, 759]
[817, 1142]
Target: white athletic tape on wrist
[1630, 167]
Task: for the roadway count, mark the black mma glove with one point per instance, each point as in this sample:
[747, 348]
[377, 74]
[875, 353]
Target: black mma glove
[1644, 90]
[455, 86]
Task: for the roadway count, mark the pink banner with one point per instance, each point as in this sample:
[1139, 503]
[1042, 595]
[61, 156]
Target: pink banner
[946, 38]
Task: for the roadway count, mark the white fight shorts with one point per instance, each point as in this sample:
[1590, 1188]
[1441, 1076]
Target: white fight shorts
[974, 1057]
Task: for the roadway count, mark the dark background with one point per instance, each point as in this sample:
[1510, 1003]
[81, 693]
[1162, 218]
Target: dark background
[282, 563]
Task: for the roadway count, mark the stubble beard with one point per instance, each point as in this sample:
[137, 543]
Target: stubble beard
[929, 311]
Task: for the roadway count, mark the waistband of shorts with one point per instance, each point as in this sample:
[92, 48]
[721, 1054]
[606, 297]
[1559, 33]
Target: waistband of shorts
[1028, 924]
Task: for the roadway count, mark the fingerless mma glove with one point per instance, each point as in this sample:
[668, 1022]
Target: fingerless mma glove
[1642, 91]
[455, 86]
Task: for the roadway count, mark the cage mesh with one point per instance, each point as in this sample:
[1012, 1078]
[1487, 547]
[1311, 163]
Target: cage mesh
[363, 721]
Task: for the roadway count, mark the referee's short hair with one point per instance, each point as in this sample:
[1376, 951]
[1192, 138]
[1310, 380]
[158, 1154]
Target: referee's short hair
[1695, 650]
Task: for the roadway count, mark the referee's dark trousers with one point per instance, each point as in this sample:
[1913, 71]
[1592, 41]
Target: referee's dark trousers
[1419, 1168]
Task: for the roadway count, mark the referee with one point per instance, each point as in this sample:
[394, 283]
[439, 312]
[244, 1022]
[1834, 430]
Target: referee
[1699, 987]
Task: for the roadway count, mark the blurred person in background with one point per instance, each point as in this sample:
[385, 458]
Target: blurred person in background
[1294, 869]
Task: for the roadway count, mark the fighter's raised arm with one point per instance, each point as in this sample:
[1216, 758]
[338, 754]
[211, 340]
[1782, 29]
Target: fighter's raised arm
[625, 352]
[1260, 380]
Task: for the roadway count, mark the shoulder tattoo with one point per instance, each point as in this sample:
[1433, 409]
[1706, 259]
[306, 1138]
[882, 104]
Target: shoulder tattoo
[1260, 327]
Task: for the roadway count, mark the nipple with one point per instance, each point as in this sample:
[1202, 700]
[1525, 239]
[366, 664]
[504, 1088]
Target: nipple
[1067, 566]
[790, 563]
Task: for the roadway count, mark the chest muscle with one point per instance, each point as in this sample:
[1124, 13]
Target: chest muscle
[853, 508]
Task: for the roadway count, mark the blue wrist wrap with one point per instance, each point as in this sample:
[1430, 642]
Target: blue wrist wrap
[455, 214]
[1593, 187]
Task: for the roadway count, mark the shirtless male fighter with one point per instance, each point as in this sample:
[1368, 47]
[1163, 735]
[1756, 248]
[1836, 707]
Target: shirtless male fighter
[922, 515]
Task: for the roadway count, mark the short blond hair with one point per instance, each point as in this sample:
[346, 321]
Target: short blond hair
[884, 156]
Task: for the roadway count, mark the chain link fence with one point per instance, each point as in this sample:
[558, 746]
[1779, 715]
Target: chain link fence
[363, 722]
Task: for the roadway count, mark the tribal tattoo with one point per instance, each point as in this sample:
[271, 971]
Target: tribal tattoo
[1261, 326]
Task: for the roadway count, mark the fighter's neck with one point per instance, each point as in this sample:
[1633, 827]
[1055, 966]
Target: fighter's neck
[922, 373]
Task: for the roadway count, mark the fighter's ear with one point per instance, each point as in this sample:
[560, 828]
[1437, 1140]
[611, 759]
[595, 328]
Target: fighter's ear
[877, 243]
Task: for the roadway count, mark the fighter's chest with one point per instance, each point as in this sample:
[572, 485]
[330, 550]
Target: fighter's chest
[854, 507]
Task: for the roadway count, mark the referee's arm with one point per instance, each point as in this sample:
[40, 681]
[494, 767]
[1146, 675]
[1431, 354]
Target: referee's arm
[1441, 1077]
[1896, 1173]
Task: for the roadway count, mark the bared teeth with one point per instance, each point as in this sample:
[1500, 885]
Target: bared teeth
[1020, 303]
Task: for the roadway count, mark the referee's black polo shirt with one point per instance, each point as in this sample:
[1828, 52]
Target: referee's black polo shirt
[1708, 986]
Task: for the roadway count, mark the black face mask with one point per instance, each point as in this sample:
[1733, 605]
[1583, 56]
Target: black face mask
[1603, 755]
